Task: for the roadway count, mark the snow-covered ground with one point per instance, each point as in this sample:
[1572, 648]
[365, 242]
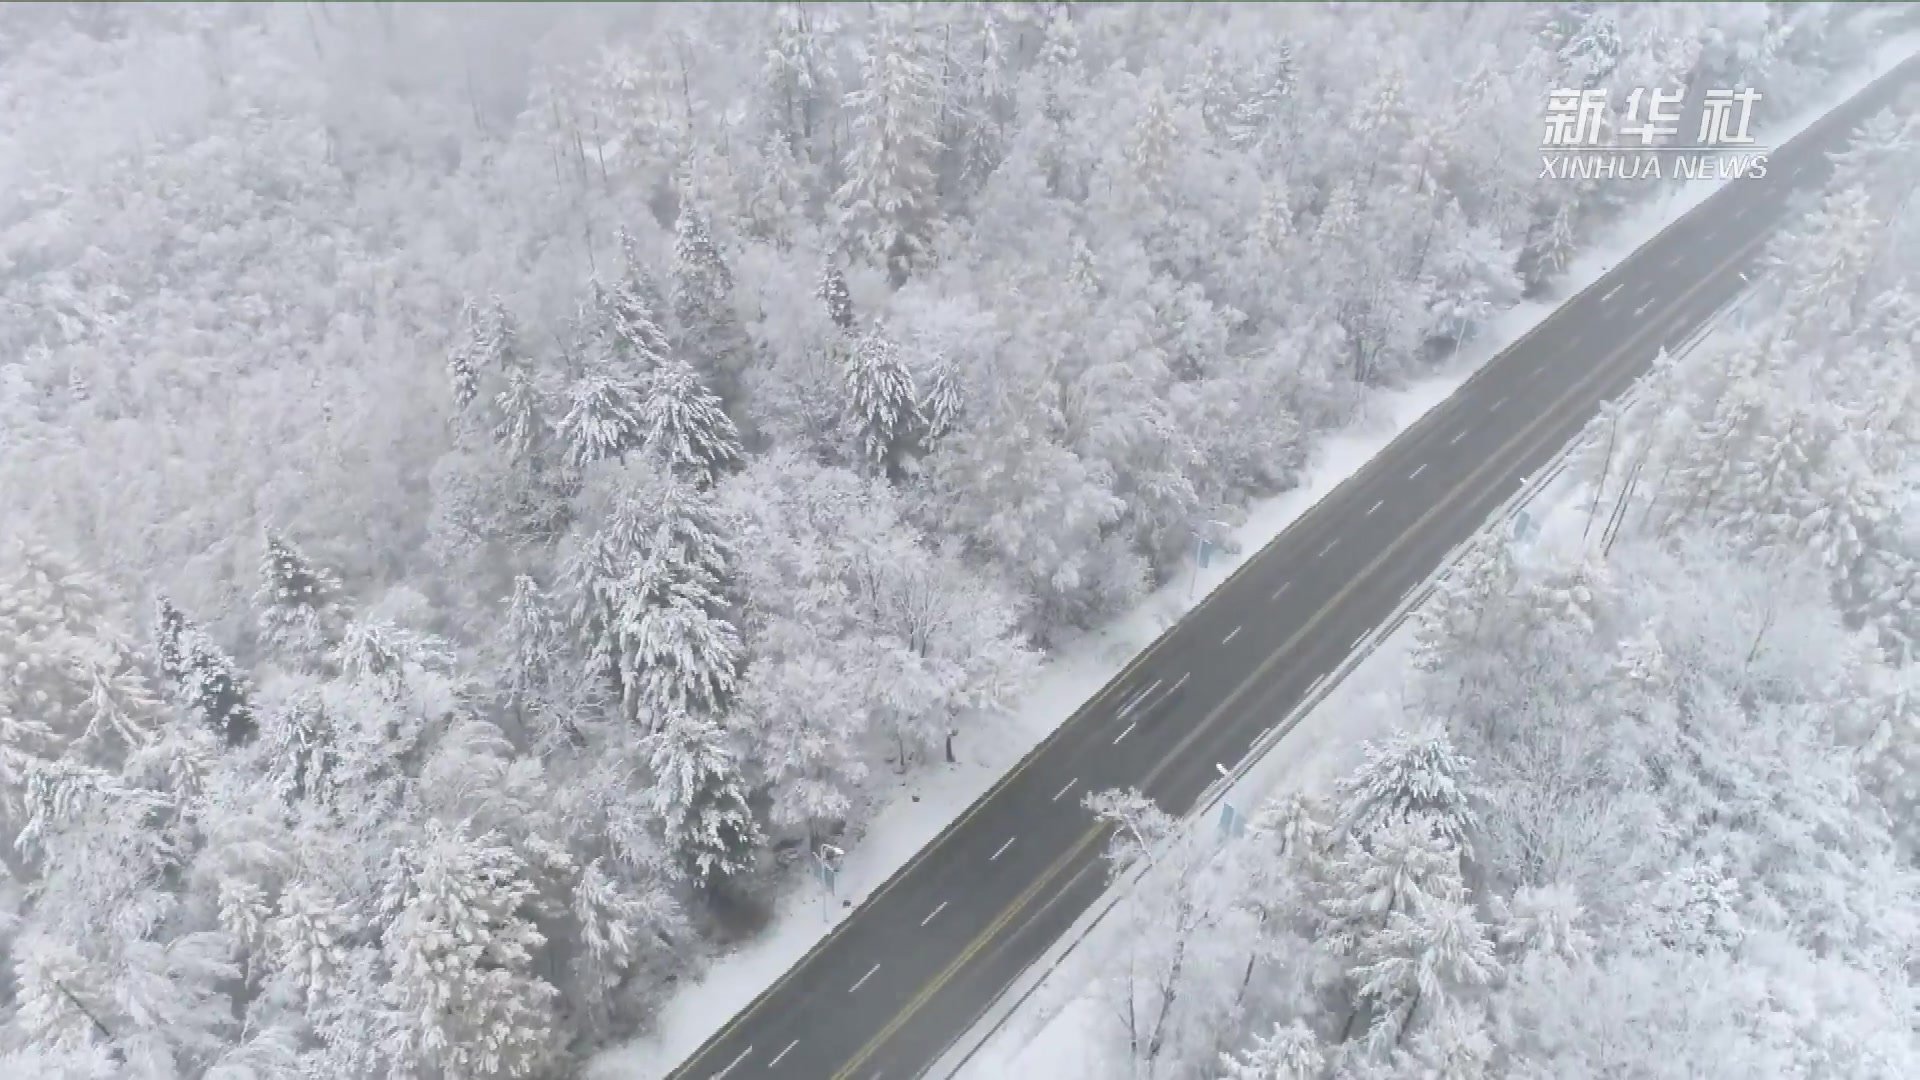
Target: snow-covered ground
[1042, 1040]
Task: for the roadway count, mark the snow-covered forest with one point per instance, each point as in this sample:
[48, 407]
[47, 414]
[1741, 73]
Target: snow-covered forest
[1651, 811]
[481, 485]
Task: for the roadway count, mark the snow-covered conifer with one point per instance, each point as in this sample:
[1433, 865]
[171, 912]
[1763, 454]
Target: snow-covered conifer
[711, 338]
[1412, 773]
[206, 679]
[881, 400]
[603, 418]
[1289, 1052]
[887, 200]
[832, 291]
[942, 407]
[307, 939]
[298, 601]
[701, 797]
[676, 645]
[682, 423]
[462, 951]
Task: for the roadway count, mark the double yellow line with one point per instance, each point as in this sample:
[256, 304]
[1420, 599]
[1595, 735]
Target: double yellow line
[1528, 435]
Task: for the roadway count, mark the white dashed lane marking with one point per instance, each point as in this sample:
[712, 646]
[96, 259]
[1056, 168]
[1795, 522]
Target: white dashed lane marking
[733, 1064]
[935, 911]
[1134, 701]
[1375, 506]
[1284, 586]
[777, 1058]
[1324, 550]
[1418, 471]
[1456, 438]
[1056, 797]
[1231, 634]
[1124, 734]
[1608, 295]
[862, 980]
[1002, 850]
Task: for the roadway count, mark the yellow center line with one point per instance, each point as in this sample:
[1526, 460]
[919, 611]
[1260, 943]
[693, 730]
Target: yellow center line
[1492, 461]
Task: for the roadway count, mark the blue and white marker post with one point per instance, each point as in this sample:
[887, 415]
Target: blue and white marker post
[829, 875]
[1232, 821]
[1203, 549]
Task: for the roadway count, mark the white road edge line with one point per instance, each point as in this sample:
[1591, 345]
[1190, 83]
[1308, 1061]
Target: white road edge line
[735, 1063]
[1056, 796]
[782, 1054]
[1284, 586]
[935, 911]
[1124, 734]
[1377, 505]
[863, 978]
[1231, 634]
[1418, 471]
[1003, 847]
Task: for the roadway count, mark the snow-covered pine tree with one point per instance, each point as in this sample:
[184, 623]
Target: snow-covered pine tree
[797, 69]
[307, 941]
[486, 345]
[617, 929]
[1288, 1052]
[701, 798]
[1412, 773]
[888, 199]
[1155, 136]
[943, 405]
[603, 419]
[684, 425]
[711, 337]
[523, 425]
[883, 409]
[1427, 952]
[59, 998]
[678, 651]
[832, 292]
[466, 997]
[626, 330]
[73, 688]
[298, 602]
[206, 680]
[532, 661]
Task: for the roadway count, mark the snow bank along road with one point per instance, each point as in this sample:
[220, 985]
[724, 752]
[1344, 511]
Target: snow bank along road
[915, 965]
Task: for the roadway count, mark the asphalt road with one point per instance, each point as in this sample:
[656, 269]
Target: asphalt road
[909, 971]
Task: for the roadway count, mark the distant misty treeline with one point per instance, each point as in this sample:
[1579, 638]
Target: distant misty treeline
[489, 482]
